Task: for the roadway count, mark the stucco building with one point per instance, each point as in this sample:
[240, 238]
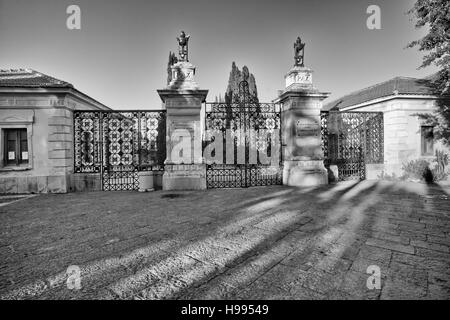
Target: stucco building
[406, 135]
[36, 131]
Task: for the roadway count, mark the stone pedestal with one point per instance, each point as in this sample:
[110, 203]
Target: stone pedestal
[301, 136]
[184, 177]
[184, 166]
[145, 181]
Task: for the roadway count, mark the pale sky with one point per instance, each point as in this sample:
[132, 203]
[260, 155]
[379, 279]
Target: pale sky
[119, 56]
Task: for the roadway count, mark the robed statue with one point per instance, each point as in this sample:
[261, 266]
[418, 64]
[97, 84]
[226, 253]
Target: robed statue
[183, 41]
[299, 53]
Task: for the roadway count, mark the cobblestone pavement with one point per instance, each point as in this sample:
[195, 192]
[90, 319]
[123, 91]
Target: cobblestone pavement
[257, 243]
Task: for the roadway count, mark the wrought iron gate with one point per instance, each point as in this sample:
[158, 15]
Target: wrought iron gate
[118, 144]
[351, 140]
[246, 138]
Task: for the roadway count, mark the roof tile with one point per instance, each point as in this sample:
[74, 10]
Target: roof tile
[398, 85]
[29, 78]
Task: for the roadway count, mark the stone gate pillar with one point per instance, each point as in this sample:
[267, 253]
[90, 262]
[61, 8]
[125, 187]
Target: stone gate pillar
[184, 168]
[301, 137]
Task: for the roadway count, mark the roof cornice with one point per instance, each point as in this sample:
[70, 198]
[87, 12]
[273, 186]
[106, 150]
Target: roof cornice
[391, 97]
[55, 90]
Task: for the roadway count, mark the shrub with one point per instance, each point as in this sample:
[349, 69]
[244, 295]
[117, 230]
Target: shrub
[389, 177]
[420, 169]
[441, 162]
[416, 169]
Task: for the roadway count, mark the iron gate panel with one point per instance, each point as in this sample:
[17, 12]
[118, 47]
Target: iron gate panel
[120, 179]
[263, 175]
[87, 141]
[252, 129]
[351, 140]
[225, 176]
[118, 144]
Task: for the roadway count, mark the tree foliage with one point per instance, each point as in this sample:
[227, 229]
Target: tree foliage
[236, 76]
[435, 15]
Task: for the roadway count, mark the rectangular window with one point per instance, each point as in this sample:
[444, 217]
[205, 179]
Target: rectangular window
[16, 147]
[427, 140]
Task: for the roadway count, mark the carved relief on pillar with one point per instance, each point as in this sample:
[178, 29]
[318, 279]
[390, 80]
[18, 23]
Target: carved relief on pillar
[299, 78]
[183, 74]
[307, 127]
[183, 77]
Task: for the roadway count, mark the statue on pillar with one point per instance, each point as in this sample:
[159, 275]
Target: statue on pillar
[299, 53]
[183, 41]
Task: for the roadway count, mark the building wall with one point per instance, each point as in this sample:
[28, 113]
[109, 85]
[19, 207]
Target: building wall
[49, 122]
[402, 135]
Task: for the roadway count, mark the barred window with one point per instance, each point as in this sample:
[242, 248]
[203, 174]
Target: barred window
[16, 147]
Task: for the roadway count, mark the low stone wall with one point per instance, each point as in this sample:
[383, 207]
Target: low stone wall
[150, 180]
[184, 177]
[81, 182]
[33, 184]
[77, 182]
[374, 171]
